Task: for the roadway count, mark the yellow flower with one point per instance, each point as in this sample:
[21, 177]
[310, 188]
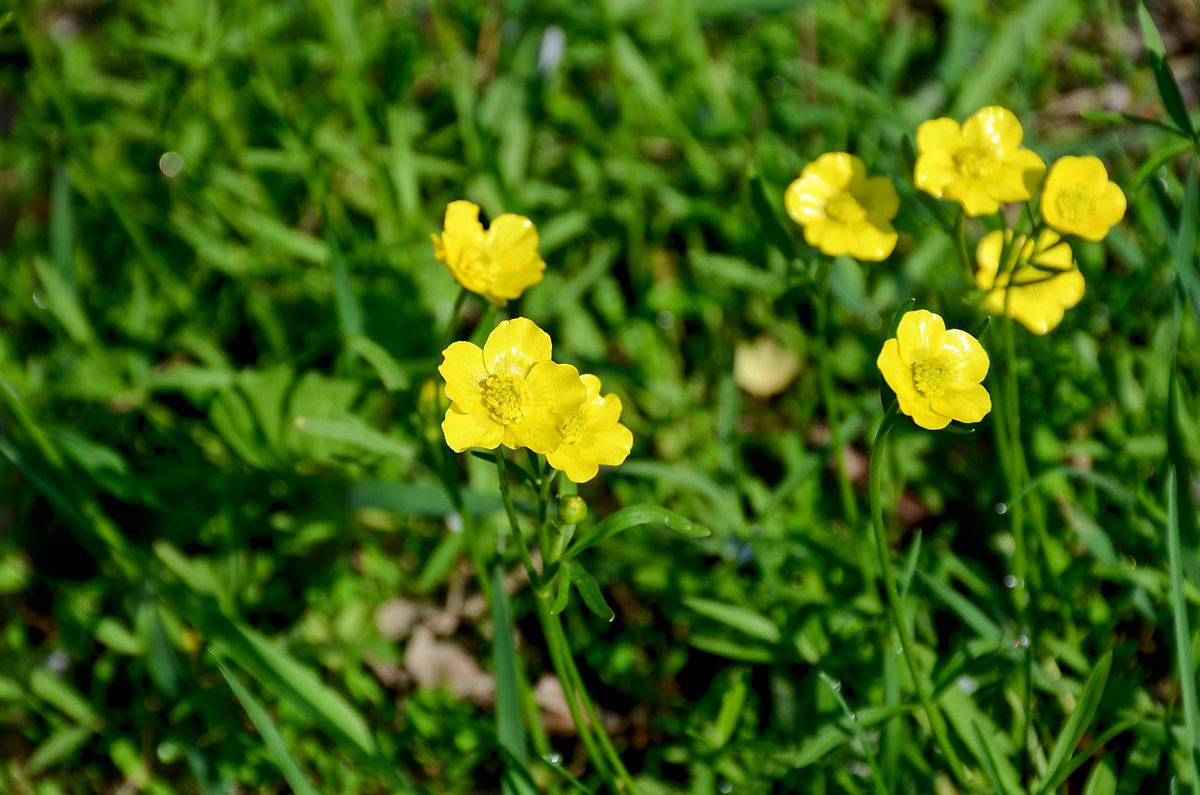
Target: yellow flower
[510, 392]
[935, 372]
[1045, 282]
[842, 210]
[1079, 199]
[979, 164]
[498, 263]
[592, 436]
[764, 367]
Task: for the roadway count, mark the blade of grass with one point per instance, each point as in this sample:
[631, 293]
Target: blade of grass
[852, 719]
[266, 729]
[1183, 634]
[1081, 718]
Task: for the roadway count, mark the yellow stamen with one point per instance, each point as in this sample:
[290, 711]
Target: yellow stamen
[572, 432]
[978, 163]
[1073, 205]
[506, 397]
[930, 376]
[845, 208]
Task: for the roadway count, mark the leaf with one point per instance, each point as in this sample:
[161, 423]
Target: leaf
[57, 748]
[510, 731]
[877, 779]
[1157, 160]
[1126, 118]
[743, 619]
[1080, 720]
[764, 208]
[1168, 89]
[62, 696]
[1076, 761]
[635, 516]
[349, 311]
[393, 376]
[270, 735]
[588, 589]
[831, 735]
[354, 431]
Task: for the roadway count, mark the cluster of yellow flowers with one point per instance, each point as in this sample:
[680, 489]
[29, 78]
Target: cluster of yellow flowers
[980, 164]
[511, 392]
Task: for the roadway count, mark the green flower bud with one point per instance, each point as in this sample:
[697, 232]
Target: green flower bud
[572, 510]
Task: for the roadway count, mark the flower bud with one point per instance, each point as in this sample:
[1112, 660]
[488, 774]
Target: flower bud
[572, 510]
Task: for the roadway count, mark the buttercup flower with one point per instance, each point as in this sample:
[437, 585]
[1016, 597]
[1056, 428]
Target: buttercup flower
[592, 436]
[510, 392]
[935, 372]
[1044, 280]
[498, 263]
[842, 210]
[1080, 200]
[978, 164]
[764, 367]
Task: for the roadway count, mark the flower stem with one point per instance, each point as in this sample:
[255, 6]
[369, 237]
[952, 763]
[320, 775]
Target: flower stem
[937, 724]
[829, 397]
[534, 578]
[960, 245]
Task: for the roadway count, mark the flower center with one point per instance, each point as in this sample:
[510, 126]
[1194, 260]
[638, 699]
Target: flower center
[845, 208]
[977, 162]
[572, 432]
[506, 397]
[1073, 205]
[930, 376]
[475, 266]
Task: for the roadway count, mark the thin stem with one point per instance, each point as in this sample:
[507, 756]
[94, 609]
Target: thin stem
[829, 397]
[511, 510]
[937, 723]
[960, 244]
[547, 477]
[448, 332]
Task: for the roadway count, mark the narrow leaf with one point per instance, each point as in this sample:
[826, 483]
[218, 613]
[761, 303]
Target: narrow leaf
[1080, 720]
[589, 590]
[634, 516]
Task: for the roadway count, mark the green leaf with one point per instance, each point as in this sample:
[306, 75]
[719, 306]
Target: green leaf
[393, 376]
[635, 516]
[510, 731]
[351, 430]
[988, 755]
[877, 779]
[588, 589]
[831, 735]
[349, 311]
[1168, 88]
[270, 735]
[1080, 720]
[60, 695]
[764, 208]
[57, 748]
[1157, 160]
[1076, 761]
[743, 619]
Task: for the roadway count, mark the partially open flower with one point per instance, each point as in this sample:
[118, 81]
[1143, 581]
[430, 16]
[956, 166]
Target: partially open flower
[1079, 199]
[510, 392]
[979, 164]
[1042, 281]
[498, 263]
[842, 210]
[592, 436]
[764, 367]
[936, 373]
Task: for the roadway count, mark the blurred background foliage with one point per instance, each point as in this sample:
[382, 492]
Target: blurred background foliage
[221, 311]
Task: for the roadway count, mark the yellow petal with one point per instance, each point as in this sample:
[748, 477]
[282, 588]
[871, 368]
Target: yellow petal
[1110, 209]
[934, 171]
[896, 372]
[591, 385]
[539, 431]
[878, 197]
[871, 243]
[568, 460]
[973, 194]
[993, 126]
[939, 135]
[557, 388]
[462, 229]
[836, 238]
[837, 170]
[1020, 172]
[462, 367]
[464, 430]
[611, 445]
[922, 412]
[919, 331]
[511, 243]
[805, 199]
[965, 402]
[969, 359]
[987, 258]
[515, 346]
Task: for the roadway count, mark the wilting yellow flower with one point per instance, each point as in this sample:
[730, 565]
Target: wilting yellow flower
[842, 210]
[978, 164]
[1078, 198]
[498, 263]
[936, 373]
[592, 436]
[764, 367]
[1045, 282]
[510, 392]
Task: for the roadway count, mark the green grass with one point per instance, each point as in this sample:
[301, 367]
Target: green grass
[212, 385]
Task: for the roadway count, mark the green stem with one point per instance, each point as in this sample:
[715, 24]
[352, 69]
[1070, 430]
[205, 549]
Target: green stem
[546, 481]
[505, 495]
[448, 332]
[829, 397]
[937, 724]
[960, 245]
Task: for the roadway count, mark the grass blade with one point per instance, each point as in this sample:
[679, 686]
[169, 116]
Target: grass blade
[1183, 634]
[1081, 718]
[852, 719]
[270, 735]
